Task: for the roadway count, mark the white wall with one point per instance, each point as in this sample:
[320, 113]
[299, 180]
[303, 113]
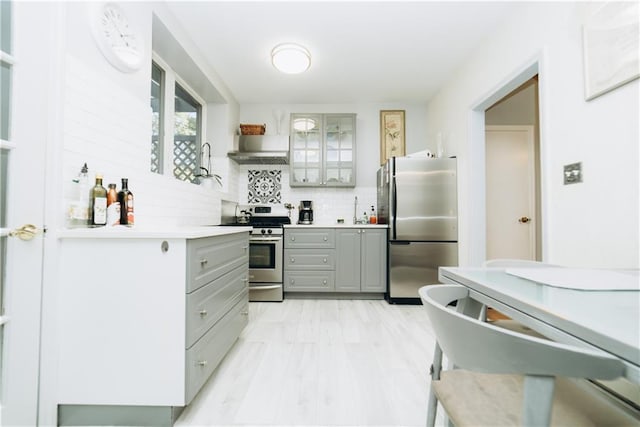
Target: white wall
[594, 223]
[333, 203]
[107, 123]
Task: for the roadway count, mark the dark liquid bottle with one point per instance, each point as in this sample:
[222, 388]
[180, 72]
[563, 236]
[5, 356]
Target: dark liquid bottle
[98, 204]
[125, 197]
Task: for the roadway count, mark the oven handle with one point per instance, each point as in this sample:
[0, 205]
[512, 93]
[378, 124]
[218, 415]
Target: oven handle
[264, 288]
[265, 239]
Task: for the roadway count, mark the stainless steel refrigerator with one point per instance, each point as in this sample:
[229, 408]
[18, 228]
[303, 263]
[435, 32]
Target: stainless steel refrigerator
[417, 198]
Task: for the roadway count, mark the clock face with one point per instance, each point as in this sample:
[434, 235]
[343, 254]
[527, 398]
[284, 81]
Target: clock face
[116, 38]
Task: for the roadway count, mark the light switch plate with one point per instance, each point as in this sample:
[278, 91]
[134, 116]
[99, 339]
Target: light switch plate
[573, 173]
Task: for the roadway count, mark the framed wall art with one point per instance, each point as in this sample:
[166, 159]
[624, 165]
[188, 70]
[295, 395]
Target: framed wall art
[392, 134]
[611, 46]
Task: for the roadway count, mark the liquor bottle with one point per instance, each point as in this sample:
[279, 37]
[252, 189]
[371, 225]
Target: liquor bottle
[125, 197]
[113, 206]
[373, 219]
[98, 204]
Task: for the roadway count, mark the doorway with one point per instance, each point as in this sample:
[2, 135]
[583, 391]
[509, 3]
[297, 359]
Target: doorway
[477, 226]
[511, 173]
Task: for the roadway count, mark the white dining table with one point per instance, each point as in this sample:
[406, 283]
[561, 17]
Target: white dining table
[607, 319]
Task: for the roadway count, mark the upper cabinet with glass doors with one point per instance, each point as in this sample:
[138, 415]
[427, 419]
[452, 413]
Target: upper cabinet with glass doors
[323, 150]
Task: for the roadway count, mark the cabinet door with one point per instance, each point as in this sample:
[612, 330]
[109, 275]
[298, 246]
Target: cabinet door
[307, 143]
[339, 154]
[323, 150]
[348, 260]
[374, 260]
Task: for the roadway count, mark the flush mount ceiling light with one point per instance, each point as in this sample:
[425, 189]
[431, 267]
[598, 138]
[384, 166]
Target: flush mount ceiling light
[290, 58]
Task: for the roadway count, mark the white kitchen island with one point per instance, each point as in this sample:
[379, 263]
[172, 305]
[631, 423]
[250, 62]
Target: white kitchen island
[145, 316]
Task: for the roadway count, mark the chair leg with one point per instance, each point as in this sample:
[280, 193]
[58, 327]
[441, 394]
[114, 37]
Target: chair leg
[537, 400]
[432, 405]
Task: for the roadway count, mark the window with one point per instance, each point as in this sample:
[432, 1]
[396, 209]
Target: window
[186, 137]
[184, 115]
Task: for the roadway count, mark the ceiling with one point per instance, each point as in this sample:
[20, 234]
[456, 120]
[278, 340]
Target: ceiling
[362, 52]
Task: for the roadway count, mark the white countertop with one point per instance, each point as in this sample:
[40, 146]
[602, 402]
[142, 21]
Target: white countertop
[176, 232]
[334, 225]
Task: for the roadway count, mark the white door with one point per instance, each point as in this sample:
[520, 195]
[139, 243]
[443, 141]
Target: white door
[510, 192]
[24, 134]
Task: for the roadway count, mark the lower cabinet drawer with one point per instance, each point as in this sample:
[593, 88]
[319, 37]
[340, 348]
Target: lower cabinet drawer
[208, 304]
[310, 259]
[309, 281]
[205, 355]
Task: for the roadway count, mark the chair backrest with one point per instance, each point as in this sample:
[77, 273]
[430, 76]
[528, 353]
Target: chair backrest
[479, 346]
[508, 262]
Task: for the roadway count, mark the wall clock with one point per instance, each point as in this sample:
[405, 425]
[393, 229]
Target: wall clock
[120, 44]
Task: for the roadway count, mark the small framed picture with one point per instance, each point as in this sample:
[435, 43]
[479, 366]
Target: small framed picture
[392, 134]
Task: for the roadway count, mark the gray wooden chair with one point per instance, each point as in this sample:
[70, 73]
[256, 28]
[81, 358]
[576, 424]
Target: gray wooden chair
[504, 378]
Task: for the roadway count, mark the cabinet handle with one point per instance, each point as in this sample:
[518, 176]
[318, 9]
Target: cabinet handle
[203, 262]
[293, 281]
[363, 231]
[293, 238]
[325, 238]
[245, 280]
[324, 260]
[202, 363]
[324, 282]
[245, 247]
[359, 231]
[293, 260]
[202, 313]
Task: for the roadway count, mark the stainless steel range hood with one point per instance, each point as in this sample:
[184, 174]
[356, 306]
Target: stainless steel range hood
[261, 150]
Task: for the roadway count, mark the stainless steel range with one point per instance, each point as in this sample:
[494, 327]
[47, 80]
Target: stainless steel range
[265, 247]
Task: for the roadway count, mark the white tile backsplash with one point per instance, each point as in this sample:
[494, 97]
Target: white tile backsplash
[107, 127]
[329, 204]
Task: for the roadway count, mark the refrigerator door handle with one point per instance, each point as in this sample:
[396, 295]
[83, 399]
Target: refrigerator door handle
[394, 207]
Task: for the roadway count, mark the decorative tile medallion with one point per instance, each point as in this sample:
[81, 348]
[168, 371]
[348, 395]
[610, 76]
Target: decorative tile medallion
[265, 186]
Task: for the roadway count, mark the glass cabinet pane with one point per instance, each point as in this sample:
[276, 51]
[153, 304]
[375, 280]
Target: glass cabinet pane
[322, 149]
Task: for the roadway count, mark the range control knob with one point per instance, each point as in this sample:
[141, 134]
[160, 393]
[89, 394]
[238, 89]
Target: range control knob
[263, 231]
[269, 231]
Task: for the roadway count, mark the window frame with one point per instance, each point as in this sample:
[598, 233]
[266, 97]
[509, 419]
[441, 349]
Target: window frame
[171, 78]
[161, 119]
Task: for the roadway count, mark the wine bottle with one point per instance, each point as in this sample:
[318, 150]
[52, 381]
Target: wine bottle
[125, 197]
[113, 206]
[98, 204]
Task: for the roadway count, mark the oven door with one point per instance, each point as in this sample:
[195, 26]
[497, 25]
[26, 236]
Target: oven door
[265, 259]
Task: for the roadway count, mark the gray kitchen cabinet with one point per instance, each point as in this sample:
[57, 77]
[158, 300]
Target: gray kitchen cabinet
[344, 260]
[143, 335]
[323, 150]
[361, 255]
[309, 260]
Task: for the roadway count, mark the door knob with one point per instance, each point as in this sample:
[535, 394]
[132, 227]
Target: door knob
[524, 220]
[26, 232]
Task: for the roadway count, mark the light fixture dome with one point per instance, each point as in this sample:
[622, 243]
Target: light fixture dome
[290, 58]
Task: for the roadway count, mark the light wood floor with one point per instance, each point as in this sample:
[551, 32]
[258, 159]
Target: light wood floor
[323, 363]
